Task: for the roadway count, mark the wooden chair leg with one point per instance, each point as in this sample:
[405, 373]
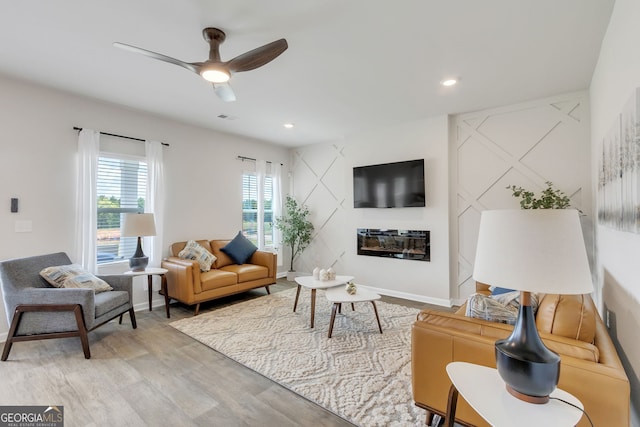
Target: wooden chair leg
[82, 331]
[120, 320]
[15, 322]
[197, 309]
[267, 288]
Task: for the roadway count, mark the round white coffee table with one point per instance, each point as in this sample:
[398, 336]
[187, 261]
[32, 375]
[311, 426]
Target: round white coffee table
[310, 283]
[339, 295]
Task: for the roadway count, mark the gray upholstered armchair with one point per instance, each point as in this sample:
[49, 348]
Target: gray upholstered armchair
[36, 310]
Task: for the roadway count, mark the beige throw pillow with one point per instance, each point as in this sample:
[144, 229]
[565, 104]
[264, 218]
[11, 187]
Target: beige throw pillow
[73, 276]
[194, 251]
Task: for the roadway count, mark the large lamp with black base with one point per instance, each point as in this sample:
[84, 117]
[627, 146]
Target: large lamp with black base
[541, 251]
[138, 225]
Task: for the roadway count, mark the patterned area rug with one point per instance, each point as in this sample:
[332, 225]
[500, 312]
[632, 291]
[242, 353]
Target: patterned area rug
[358, 374]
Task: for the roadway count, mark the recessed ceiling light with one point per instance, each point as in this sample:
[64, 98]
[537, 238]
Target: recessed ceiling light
[449, 82]
[288, 125]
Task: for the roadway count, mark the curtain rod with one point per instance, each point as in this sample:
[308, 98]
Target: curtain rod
[243, 158]
[121, 136]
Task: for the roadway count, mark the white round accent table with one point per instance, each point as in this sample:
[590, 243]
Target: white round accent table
[310, 283]
[485, 391]
[339, 295]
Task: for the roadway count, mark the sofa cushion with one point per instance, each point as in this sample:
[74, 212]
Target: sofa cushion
[194, 251]
[571, 316]
[223, 259]
[73, 276]
[247, 272]
[239, 249]
[215, 279]
[107, 301]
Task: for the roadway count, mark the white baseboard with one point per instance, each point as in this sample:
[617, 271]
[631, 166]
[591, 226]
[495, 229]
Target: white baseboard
[412, 297]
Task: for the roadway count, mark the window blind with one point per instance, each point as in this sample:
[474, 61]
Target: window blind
[121, 188]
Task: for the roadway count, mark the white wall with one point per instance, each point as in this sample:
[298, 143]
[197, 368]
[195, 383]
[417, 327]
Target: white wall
[37, 165]
[616, 76]
[525, 145]
[323, 180]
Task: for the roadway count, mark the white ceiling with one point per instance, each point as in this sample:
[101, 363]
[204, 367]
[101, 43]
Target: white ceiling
[351, 64]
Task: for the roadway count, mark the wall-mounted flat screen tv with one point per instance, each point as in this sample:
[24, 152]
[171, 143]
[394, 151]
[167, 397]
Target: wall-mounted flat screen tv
[389, 185]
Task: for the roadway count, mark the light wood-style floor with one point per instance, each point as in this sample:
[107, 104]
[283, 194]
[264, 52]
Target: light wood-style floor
[155, 376]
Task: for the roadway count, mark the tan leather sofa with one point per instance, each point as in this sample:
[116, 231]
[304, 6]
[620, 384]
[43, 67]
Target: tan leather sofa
[568, 324]
[187, 284]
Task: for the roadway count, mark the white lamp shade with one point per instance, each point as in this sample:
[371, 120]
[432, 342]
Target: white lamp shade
[537, 250]
[138, 224]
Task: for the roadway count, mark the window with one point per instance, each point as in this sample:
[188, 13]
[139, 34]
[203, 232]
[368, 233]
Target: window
[121, 188]
[257, 210]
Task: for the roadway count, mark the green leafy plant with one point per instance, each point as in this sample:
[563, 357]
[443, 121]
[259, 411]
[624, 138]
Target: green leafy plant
[549, 198]
[295, 227]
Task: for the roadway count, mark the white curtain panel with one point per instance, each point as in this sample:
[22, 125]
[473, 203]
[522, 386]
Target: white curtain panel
[261, 172]
[86, 202]
[154, 202]
[276, 172]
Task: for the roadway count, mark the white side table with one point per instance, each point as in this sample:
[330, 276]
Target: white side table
[313, 284]
[149, 272]
[339, 295]
[485, 392]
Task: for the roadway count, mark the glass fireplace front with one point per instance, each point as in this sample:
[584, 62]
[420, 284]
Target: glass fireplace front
[400, 244]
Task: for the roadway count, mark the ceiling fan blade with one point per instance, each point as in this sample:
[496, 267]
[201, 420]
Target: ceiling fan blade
[224, 92]
[257, 57]
[154, 55]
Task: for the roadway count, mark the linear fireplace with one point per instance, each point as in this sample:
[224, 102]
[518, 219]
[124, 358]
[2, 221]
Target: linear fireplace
[401, 244]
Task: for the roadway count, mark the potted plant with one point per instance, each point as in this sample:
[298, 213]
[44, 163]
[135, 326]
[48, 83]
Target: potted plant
[296, 230]
[550, 198]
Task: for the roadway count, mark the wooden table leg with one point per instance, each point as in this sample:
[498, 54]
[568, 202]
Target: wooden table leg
[149, 288]
[163, 285]
[313, 306]
[295, 304]
[452, 402]
[333, 317]
[375, 310]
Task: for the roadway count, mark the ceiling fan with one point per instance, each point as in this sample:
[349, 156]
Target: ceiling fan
[215, 70]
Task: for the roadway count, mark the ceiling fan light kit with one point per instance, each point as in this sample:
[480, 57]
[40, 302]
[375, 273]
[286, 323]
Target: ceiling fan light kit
[215, 74]
[215, 70]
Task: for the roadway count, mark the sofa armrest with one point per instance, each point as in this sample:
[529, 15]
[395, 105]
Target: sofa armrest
[58, 296]
[183, 278]
[265, 259]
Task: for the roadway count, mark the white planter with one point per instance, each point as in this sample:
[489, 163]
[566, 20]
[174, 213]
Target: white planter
[291, 275]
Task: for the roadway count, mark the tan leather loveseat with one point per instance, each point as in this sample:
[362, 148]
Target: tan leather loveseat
[568, 324]
[187, 284]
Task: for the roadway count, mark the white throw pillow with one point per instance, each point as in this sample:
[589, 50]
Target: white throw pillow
[73, 276]
[194, 251]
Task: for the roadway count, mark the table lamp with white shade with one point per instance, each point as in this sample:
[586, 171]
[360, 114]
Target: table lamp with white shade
[540, 251]
[138, 225]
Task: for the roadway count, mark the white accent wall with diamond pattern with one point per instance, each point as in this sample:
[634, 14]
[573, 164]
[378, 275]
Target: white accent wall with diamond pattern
[524, 145]
[322, 179]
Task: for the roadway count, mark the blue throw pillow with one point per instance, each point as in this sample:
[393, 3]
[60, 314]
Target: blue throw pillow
[499, 291]
[239, 249]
